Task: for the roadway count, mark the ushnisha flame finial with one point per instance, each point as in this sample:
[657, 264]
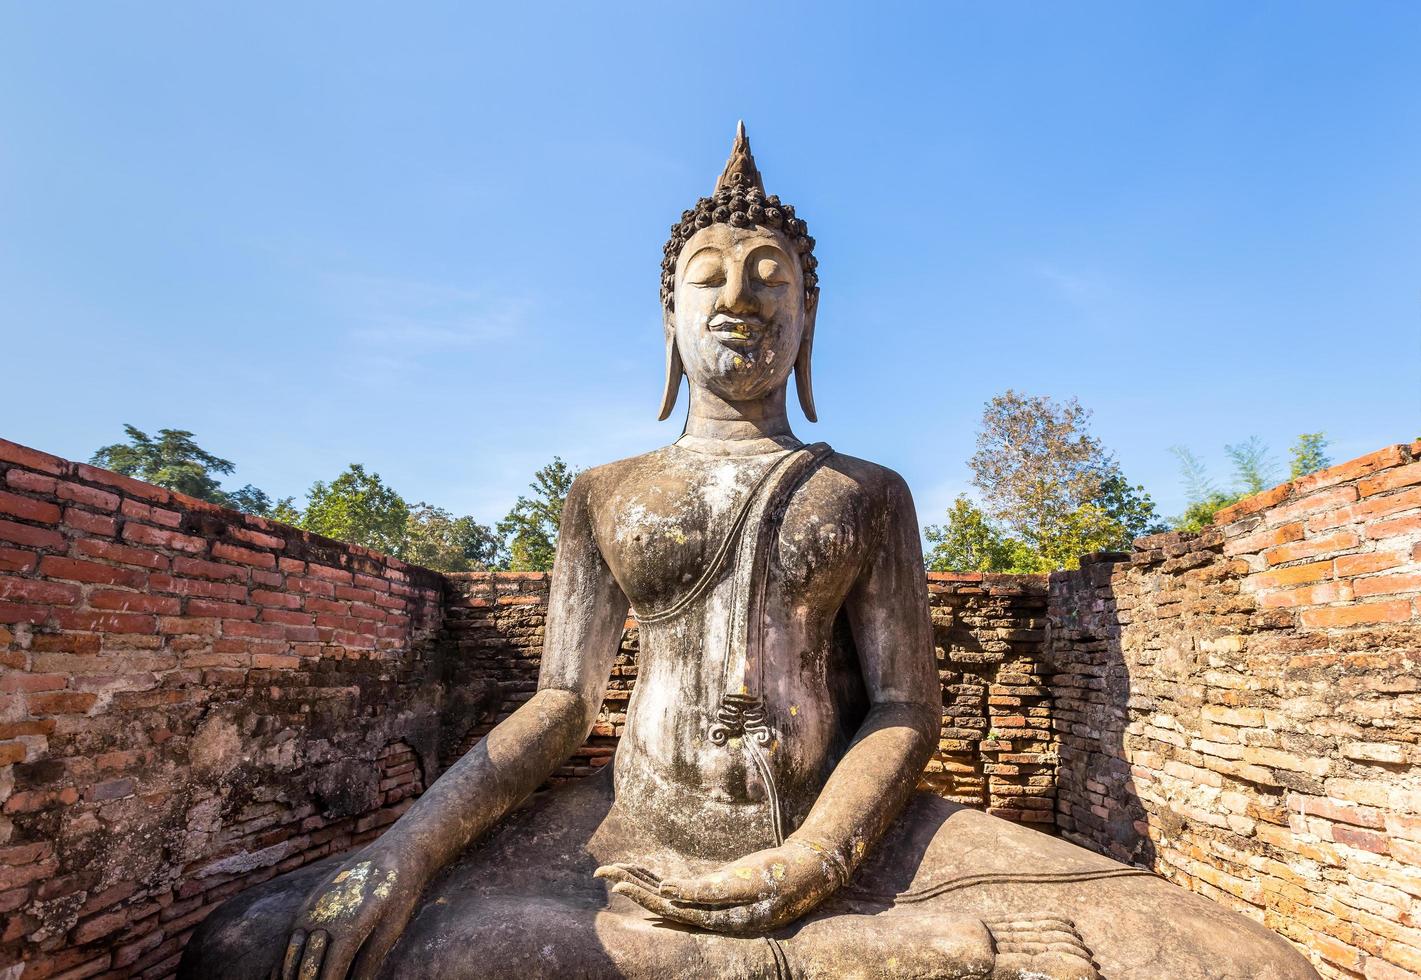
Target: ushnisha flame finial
[740, 171]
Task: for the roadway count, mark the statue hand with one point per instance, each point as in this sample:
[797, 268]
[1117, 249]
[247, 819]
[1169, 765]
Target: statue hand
[355, 916]
[756, 894]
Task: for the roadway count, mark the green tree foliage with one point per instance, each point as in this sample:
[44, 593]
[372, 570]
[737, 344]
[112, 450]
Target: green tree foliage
[358, 507]
[437, 539]
[970, 542]
[1254, 470]
[1050, 491]
[172, 460]
[1309, 454]
[531, 527]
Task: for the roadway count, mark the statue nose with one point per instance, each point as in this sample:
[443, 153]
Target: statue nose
[736, 295]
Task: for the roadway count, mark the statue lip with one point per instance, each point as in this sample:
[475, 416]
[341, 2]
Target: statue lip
[735, 331]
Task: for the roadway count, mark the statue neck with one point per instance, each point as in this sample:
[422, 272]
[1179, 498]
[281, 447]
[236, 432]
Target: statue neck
[723, 427]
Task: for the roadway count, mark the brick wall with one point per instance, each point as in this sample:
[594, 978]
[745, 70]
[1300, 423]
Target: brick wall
[1241, 710]
[191, 701]
[997, 747]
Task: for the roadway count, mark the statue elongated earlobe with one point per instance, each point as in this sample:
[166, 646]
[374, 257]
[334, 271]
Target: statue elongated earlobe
[803, 377]
[674, 370]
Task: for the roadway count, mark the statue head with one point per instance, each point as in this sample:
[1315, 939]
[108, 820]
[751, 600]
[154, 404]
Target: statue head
[739, 291]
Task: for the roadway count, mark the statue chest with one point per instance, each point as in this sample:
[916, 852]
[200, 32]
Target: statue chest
[662, 532]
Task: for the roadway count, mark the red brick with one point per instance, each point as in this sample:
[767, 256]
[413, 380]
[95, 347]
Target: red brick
[27, 508]
[90, 523]
[208, 569]
[245, 556]
[1353, 469]
[1392, 611]
[257, 538]
[1395, 528]
[14, 681]
[153, 515]
[1326, 500]
[78, 570]
[1295, 575]
[88, 496]
[35, 537]
[37, 590]
[337, 575]
[220, 610]
[37, 726]
[12, 752]
[1253, 504]
[13, 452]
[287, 617]
[161, 538]
[1247, 543]
[15, 560]
[62, 702]
[260, 631]
[187, 626]
[98, 927]
[1294, 551]
[1401, 476]
[263, 597]
[1352, 565]
[229, 591]
[31, 482]
[123, 554]
[276, 661]
[1368, 510]
[310, 586]
[125, 484]
[135, 602]
[1388, 584]
[106, 622]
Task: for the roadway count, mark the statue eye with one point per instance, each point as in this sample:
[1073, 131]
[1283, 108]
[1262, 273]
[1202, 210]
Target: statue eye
[705, 270]
[768, 271]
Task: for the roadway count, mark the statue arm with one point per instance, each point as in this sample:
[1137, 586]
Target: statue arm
[586, 614]
[354, 917]
[888, 613]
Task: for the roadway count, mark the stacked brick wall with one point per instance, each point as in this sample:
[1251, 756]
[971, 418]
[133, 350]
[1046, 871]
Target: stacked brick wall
[191, 701]
[997, 748]
[1241, 710]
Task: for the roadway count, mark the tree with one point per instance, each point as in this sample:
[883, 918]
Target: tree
[1050, 484]
[357, 507]
[173, 460]
[1254, 469]
[531, 527]
[1309, 454]
[970, 542]
[437, 539]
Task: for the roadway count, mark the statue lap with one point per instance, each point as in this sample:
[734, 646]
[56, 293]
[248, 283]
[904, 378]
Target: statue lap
[524, 903]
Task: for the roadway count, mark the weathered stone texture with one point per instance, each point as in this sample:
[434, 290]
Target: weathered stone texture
[1241, 710]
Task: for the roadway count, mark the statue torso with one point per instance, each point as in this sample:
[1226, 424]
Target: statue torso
[659, 521]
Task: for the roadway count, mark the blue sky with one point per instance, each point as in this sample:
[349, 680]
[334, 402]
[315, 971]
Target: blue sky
[425, 237]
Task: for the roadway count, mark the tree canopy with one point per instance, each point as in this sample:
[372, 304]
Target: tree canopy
[1254, 470]
[531, 527]
[1050, 493]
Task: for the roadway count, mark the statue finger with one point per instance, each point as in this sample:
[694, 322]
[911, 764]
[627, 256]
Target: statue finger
[292, 960]
[314, 953]
[374, 950]
[715, 889]
[663, 907]
[339, 953]
[628, 872]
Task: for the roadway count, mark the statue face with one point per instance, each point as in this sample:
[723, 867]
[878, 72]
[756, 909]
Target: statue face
[740, 310]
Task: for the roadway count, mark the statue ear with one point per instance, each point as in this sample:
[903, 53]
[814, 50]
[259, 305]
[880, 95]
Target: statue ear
[803, 379]
[674, 371]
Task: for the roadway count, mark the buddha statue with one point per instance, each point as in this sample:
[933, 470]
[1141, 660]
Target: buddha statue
[761, 817]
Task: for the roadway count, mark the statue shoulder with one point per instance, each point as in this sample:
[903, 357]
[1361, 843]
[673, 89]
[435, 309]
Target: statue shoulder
[596, 482]
[875, 481]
